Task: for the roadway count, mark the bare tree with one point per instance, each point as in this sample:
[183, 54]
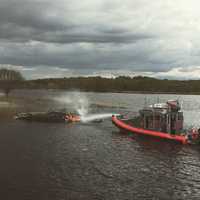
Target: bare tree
[9, 79]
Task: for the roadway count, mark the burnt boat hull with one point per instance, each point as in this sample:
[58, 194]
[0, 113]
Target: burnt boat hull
[122, 125]
[42, 116]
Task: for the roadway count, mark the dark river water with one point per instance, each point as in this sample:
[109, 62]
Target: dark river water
[43, 161]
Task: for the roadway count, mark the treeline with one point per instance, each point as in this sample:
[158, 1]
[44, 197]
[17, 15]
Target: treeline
[120, 84]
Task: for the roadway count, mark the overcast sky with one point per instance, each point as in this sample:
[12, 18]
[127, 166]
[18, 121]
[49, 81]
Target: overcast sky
[45, 38]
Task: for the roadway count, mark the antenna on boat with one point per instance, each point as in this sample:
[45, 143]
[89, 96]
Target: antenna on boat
[181, 102]
[145, 102]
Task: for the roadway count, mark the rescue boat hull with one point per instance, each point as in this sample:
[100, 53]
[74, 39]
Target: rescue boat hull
[124, 126]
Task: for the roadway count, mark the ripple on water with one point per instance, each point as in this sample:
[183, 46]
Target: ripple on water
[94, 161]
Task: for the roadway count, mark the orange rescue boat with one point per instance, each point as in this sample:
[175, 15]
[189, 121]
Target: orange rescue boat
[162, 120]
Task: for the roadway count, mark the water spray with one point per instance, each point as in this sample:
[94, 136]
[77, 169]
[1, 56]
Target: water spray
[93, 117]
[80, 103]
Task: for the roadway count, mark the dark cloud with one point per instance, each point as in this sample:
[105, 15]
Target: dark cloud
[30, 14]
[26, 20]
[81, 56]
[95, 35]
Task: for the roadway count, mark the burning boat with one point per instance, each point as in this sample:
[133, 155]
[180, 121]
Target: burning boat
[53, 116]
[57, 116]
[163, 120]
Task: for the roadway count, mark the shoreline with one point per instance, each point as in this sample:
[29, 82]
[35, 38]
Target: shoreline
[111, 91]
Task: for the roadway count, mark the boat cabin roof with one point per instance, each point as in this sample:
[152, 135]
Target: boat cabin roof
[161, 108]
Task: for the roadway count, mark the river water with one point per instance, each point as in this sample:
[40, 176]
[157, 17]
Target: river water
[94, 160]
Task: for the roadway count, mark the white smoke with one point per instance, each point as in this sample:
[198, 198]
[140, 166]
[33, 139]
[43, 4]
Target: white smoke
[76, 101]
[80, 103]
